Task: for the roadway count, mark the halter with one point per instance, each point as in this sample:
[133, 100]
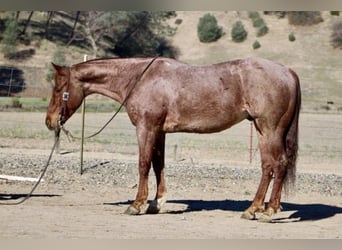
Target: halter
[65, 98]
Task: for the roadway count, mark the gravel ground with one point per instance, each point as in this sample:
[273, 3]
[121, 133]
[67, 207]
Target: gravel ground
[64, 170]
[209, 186]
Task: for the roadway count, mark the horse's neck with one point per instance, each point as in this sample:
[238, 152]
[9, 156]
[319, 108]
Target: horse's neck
[111, 78]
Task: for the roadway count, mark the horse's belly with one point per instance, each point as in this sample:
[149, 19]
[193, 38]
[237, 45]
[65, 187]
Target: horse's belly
[202, 124]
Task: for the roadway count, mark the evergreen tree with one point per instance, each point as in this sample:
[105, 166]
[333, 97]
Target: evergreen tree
[10, 36]
[208, 30]
[58, 57]
[239, 33]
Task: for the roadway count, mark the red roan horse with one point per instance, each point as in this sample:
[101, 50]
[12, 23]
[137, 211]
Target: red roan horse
[166, 96]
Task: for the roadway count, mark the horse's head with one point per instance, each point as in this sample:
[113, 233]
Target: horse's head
[67, 96]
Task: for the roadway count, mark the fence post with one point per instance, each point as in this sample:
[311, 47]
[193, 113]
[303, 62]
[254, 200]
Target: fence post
[82, 129]
[10, 83]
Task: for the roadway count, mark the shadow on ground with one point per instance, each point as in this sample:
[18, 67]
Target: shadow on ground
[9, 197]
[301, 212]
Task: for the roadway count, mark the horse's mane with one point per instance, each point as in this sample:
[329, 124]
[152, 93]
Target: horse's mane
[108, 59]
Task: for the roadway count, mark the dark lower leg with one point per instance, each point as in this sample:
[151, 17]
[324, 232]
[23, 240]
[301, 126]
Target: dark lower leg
[146, 140]
[158, 163]
[142, 194]
[279, 176]
[258, 201]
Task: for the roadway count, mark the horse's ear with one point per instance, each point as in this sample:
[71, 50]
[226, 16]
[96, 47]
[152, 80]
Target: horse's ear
[61, 70]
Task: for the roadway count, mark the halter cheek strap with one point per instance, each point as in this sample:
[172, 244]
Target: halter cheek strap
[65, 98]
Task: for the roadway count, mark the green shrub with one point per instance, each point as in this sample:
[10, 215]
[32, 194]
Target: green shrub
[254, 15]
[178, 21]
[208, 29]
[256, 19]
[292, 37]
[58, 57]
[259, 23]
[256, 45]
[239, 33]
[263, 30]
[16, 102]
[334, 13]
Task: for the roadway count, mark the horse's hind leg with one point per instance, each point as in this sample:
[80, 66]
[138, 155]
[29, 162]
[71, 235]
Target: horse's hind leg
[158, 162]
[272, 155]
[279, 173]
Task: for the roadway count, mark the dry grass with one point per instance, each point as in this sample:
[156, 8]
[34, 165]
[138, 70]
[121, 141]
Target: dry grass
[320, 137]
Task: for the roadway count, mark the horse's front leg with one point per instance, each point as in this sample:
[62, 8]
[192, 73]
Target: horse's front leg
[146, 141]
[158, 163]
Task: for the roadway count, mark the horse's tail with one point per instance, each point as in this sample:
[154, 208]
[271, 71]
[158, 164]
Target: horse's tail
[291, 139]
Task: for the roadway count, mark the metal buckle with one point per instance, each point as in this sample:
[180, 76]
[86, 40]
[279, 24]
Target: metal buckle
[65, 96]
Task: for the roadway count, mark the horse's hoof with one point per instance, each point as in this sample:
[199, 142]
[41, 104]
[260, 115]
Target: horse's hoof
[265, 218]
[247, 215]
[156, 205]
[152, 209]
[132, 211]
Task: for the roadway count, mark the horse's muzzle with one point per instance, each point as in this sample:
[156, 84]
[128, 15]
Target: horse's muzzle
[51, 124]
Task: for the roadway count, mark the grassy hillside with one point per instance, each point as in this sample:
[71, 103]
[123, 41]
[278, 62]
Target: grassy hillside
[318, 65]
[311, 55]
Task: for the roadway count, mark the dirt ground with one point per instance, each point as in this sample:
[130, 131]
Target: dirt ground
[205, 200]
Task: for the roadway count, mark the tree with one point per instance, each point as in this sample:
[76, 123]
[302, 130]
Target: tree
[208, 29]
[9, 40]
[58, 58]
[239, 33]
[27, 23]
[125, 33]
[143, 33]
[75, 23]
[50, 15]
[258, 23]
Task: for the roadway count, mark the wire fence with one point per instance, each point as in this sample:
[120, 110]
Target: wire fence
[26, 81]
[29, 82]
[319, 139]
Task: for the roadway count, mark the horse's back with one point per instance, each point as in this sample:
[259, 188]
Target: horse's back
[212, 98]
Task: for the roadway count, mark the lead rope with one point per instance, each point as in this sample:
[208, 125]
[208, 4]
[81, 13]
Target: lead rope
[40, 177]
[65, 98]
[69, 134]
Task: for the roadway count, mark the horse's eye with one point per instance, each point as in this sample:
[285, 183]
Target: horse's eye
[58, 90]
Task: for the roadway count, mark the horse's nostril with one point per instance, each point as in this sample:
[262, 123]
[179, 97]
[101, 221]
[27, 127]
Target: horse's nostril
[48, 123]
